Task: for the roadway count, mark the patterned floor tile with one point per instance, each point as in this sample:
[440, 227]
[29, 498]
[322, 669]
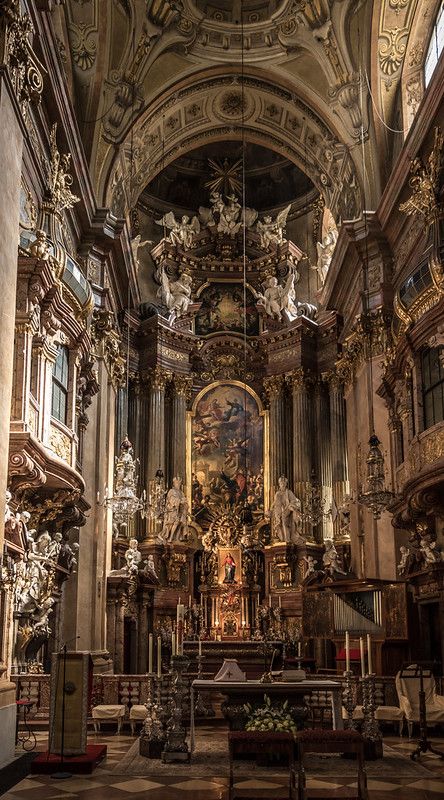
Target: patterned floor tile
[313, 783]
[27, 783]
[194, 784]
[136, 785]
[75, 785]
[428, 785]
[257, 784]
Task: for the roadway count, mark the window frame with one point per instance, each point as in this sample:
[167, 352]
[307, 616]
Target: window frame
[61, 383]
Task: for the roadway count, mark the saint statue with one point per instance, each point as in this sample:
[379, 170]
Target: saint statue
[230, 569]
[286, 514]
[175, 527]
[175, 295]
[133, 557]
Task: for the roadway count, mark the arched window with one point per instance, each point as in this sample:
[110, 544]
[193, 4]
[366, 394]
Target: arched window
[60, 385]
[435, 47]
[432, 387]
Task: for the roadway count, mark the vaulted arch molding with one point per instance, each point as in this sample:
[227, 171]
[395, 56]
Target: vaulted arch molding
[212, 108]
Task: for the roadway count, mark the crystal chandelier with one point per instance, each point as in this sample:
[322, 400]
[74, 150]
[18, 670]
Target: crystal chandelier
[376, 497]
[125, 503]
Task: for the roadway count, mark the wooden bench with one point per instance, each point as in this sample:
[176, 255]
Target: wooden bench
[261, 743]
[325, 741]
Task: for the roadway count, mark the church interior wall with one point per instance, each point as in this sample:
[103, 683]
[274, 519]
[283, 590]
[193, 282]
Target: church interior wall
[134, 370]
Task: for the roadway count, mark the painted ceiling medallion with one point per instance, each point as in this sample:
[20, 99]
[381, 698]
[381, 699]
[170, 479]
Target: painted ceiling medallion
[233, 104]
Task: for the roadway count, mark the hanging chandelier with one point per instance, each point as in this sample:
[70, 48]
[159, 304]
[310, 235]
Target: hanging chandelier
[125, 502]
[376, 497]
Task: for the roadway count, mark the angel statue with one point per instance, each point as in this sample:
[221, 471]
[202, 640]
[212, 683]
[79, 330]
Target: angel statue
[226, 217]
[271, 231]
[277, 299]
[181, 232]
[325, 250]
[175, 295]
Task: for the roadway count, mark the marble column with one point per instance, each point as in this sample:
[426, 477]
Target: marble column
[20, 81]
[338, 433]
[157, 380]
[274, 387]
[180, 394]
[302, 431]
[322, 448]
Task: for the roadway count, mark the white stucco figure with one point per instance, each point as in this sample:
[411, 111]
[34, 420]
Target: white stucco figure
[330, 559]
[404, 553]
[133, 557]
[278, 300]
[183, 231]
[150, 567]
[136, 245]
[429, 551]
[226, 217]
[175, 295]
[271, 231]
[325, 250]
[175, 527]
[311, 565]
[286, 514]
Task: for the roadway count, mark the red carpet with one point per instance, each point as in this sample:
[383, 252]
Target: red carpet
[46, 763]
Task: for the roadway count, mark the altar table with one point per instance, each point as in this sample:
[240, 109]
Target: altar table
[284, 689]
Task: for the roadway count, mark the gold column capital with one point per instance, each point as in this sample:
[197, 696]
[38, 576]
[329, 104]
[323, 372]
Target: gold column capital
[273, 386]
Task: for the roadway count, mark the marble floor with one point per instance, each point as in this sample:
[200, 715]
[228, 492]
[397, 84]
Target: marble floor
[105, 784]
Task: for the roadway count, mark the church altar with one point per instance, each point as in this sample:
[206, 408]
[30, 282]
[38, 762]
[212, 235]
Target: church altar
[241, 692]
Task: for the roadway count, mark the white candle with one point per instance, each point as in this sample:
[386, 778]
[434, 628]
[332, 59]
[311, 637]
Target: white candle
[173, 643]
[180, 616]
[189, 601]
[200, 647]
[280, 602]
[361, 650]
[269, 600]
[347, 651]
[369, 654]
[150, 653]
[299, 649]
[159, 657]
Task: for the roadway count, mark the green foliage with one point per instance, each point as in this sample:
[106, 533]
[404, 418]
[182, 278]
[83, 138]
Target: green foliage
[270, 717]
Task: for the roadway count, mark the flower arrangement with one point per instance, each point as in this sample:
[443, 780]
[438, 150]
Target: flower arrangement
[270, 717]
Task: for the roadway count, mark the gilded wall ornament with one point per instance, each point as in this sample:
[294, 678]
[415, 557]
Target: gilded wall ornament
[59, 178]
[392, 45]
[425, 181]
[24, 69]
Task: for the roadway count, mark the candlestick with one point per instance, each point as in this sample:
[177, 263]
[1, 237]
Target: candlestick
[347, 651]
[200, 647]
[361, 650]
[189, 601]
[173, 643]
[369, 654]
[159, 657]
[299, 649]
[150, 653]
[280, 602]
[180, 618]
[269, 600]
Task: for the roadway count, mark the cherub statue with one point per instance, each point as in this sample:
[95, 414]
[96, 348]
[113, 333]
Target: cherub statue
[330, 559]
[227, 218]
[428, 549]
[404, 552]
[271, 231]
[311, 565]
[175, 295]
[175, 527]
[277, 299]
[39, 248]
[325, 250]
[286, 514]
[133, 557]
[183, 231]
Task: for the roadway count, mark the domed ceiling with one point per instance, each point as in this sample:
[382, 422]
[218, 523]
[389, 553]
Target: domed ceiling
[270, 180]
[230, 10]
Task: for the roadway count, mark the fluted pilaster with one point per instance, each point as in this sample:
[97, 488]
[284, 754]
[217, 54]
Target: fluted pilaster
[157, 381]
[338, 433]
[274, 388]
[322, 448]
[181, 390]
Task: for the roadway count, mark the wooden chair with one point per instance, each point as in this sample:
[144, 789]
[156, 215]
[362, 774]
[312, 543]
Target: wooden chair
[261, 743]
[323, 741]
